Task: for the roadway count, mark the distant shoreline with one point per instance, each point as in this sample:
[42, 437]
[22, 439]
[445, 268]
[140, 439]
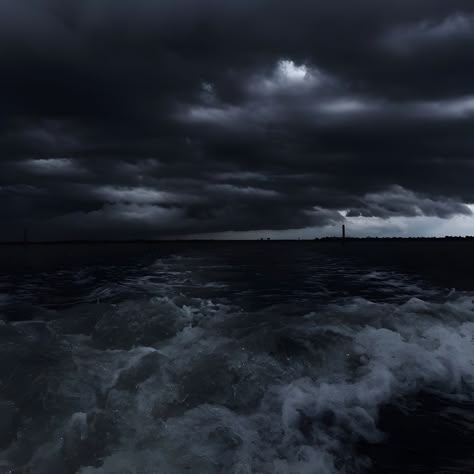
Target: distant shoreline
[260, 240]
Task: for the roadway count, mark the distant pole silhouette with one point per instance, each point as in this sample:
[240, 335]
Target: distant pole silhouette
[343, 233]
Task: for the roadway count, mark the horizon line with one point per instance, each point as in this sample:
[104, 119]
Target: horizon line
[260, 239]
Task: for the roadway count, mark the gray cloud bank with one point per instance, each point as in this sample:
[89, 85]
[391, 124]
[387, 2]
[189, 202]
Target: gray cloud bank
[150, 119]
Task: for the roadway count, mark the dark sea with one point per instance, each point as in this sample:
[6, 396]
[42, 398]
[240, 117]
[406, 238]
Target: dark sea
[258, 357]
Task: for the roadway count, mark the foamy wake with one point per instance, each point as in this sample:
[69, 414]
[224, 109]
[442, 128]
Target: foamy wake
[212, 389]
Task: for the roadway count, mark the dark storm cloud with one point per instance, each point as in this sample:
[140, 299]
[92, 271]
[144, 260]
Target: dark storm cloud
[398, 201]
[139, 118]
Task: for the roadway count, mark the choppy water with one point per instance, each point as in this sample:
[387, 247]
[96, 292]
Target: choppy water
[233, 360]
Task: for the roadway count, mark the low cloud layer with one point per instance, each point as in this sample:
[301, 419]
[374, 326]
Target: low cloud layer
[398, 201]
[173, 118]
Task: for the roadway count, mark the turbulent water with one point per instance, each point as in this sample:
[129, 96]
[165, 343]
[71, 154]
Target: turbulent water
[257, 359]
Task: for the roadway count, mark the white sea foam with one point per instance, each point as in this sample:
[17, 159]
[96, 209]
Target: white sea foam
[231, 391]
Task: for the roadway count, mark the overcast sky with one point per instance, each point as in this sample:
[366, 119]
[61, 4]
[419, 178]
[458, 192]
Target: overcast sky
[236, 118]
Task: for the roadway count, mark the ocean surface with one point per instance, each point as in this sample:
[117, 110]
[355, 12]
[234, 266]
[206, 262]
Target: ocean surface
[290, 358]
